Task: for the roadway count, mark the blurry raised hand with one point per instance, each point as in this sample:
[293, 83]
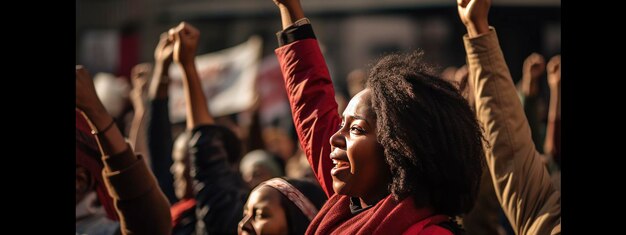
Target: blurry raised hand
[164, 51]
[534, 67]
[163, 57]
[473, 14]
[552, 142]
[186, 39]
[554, 72]
[139, 76]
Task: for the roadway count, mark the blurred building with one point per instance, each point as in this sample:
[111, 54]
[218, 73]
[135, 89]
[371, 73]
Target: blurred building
[353, 33]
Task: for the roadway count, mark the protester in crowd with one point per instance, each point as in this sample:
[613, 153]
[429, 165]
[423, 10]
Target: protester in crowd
[408, 153]
[141, 206]
[521, 181]
[281, 206]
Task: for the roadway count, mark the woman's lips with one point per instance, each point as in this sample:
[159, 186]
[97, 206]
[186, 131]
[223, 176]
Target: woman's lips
[340, 166]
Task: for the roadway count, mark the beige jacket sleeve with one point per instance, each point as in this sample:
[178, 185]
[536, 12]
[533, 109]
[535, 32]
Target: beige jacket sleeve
[140, 204]
[521, 181]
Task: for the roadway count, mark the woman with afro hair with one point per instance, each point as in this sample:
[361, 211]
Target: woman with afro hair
[406, 155]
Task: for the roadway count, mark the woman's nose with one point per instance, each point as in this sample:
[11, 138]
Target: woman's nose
[245, 225]
[338, 140]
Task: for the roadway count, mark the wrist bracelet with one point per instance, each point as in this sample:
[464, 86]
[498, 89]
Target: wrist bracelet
[95, 132]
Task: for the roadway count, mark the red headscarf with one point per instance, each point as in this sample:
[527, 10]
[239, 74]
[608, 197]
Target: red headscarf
[88, 156]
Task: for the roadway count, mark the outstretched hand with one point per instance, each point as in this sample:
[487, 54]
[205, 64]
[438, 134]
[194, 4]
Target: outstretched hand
[473, 14]
[185, 42]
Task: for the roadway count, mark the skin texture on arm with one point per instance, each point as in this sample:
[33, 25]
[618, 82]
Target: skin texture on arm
[521, 182]
[163, 56]
[311, 97]
[111, 141]
[185, 43]
[137, 134]
[290, 11]
[140, 204]
[553, 136]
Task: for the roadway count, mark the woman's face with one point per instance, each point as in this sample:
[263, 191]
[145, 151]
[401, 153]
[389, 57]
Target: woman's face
[263, 213]
[360, 168]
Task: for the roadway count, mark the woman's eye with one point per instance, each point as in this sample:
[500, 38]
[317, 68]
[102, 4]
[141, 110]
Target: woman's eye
[356, 130]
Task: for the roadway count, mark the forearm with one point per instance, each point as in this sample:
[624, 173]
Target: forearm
[160, 142]
[477, 28]
[160, 80]
[159, 131]
[290, 13]
[138, 115]
[555, 104]
[197, 108]
[553, 115]
[111, 141]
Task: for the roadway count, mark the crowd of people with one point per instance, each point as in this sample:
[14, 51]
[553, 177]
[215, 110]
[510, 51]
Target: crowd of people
[414, 151]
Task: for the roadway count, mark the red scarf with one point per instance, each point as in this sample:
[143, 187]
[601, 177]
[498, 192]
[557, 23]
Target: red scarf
[88, 155]
[179, 208]
[386, 217]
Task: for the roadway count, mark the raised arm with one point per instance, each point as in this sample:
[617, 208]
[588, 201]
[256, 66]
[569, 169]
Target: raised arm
[159, 129]
[137, 136]
[552, 145]
[219, 191]
[140, 204]
[185, 44]
[534, 67]
[521, 182]
[310, 90]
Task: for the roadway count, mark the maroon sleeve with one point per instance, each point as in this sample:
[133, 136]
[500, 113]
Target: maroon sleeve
[313, 106]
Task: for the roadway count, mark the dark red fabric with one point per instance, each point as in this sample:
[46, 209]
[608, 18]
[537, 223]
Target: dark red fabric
[88, 156]
[314, 111]
[313, 107]
[180, 207]
[386, 217]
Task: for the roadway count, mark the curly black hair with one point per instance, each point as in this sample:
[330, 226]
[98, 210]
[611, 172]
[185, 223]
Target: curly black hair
[431, 138]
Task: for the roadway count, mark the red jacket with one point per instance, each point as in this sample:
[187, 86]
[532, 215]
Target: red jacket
[314, 111]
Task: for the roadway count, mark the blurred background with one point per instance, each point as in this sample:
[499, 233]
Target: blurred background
[353, 33]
